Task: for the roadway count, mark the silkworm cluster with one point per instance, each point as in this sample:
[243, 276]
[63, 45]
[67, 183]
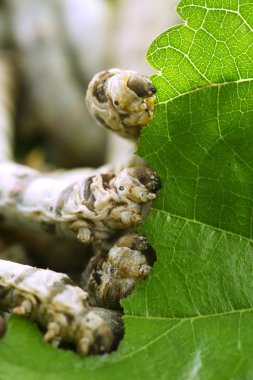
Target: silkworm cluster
[95, 207]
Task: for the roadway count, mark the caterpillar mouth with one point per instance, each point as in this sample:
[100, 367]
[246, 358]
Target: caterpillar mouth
[150, 103]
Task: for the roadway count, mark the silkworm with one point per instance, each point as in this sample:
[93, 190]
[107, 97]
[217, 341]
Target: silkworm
[55, 303]
[121, 100]
[111, 276]
[92, 208]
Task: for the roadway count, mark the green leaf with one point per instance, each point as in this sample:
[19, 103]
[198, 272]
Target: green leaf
[193, 317]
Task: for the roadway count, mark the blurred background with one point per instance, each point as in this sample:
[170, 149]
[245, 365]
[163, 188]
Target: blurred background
[54, 47]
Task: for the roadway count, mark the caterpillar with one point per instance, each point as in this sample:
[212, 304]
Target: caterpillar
[121, 100]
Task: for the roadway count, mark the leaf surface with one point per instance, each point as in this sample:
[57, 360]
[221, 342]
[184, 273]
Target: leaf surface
[193, 317]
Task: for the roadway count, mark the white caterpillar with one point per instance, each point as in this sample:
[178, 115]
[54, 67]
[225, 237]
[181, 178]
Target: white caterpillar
[56, 303]
[121, 100]
[111, 276]
[92, 208]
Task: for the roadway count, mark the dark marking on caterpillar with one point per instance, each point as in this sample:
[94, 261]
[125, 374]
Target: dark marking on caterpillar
[87, 191]
[97, 278]
[64, 196]
[68, 281]
[99, 87]
[89, 198]
[24, 275]
[106, 180]
[59, 287]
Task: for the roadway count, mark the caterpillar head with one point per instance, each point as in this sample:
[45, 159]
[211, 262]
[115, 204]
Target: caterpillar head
[121, 100]
[138, 184]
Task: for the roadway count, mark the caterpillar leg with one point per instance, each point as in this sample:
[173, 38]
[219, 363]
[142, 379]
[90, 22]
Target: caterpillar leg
[59, 306]
[111, 276]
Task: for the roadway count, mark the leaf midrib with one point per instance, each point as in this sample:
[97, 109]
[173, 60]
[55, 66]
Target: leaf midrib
[191, 318]
[194, 221]
[180, 322]
[219, 84]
